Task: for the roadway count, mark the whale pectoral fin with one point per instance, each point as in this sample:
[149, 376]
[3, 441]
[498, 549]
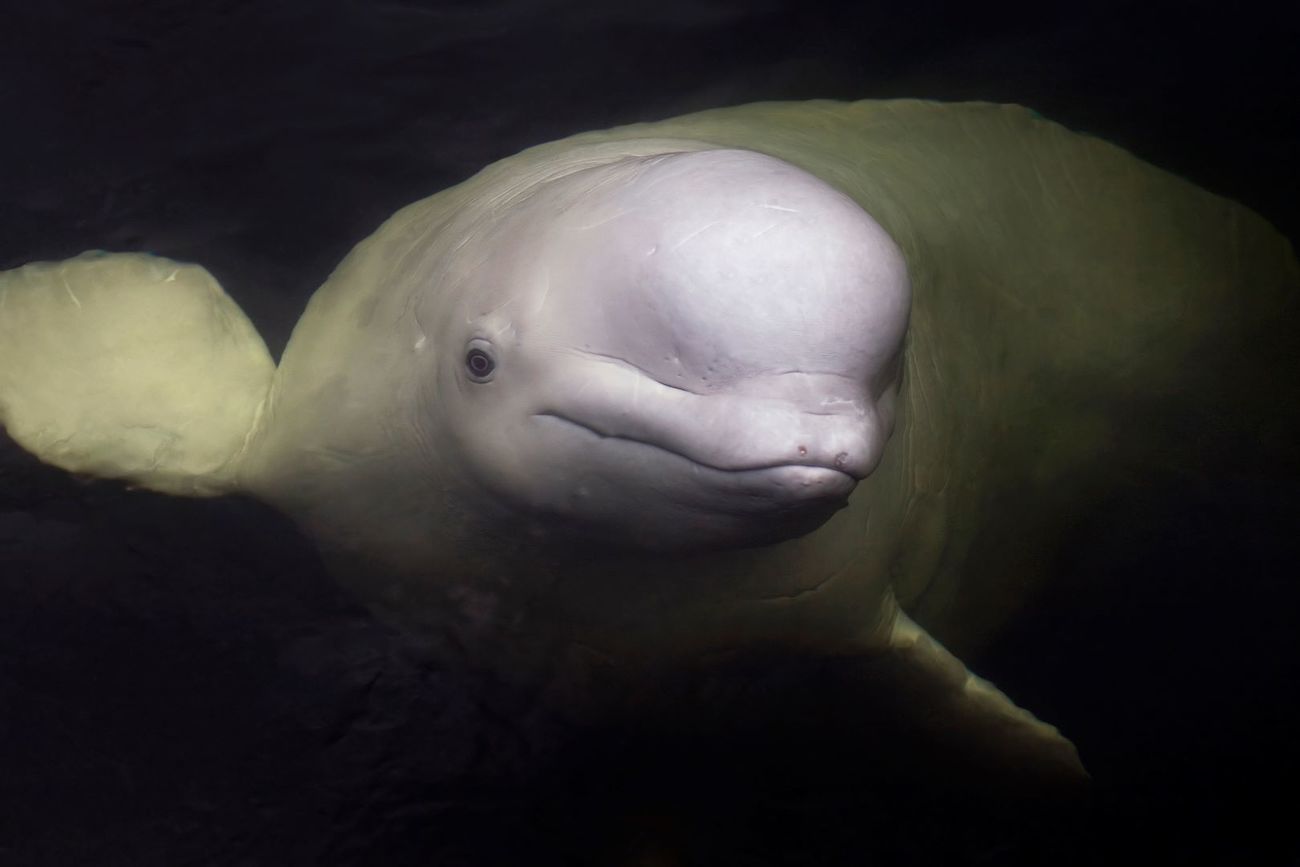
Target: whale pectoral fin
[972, 716]
[130, 366]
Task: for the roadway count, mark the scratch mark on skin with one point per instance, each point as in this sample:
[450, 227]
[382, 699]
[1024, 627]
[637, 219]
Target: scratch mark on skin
[71, 294]
[620, 215]
[765, 231]
[698, 231]
[779, 208]
[546, 290]
[171, 278]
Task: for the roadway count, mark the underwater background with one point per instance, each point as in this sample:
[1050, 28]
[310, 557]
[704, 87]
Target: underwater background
[182, 684]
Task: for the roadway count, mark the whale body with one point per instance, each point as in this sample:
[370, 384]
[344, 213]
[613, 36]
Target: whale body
[794, 375]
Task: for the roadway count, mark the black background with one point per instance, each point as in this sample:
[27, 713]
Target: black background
[181, 684]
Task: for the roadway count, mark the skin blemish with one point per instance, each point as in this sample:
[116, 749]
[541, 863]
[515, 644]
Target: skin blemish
[71, 294]
[803, 451]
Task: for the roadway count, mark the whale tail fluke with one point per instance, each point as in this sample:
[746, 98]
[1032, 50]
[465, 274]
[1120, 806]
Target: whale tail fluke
[130, 366]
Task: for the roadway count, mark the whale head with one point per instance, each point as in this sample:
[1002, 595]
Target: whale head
[691, 351]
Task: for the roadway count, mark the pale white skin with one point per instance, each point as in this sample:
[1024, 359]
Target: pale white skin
[683, 352]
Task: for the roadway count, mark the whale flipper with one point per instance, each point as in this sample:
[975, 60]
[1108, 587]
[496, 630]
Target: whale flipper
[963, 711]
[130, 366]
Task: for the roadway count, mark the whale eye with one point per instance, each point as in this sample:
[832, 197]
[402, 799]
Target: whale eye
[479, 364]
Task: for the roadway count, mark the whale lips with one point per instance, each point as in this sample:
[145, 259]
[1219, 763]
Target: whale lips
[801, 480]
[743, 491]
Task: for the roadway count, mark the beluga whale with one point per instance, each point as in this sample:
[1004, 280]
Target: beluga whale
[830, 378]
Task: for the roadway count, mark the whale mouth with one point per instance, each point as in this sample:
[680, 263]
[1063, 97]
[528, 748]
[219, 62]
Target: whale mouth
[780, 483]
[622, 492]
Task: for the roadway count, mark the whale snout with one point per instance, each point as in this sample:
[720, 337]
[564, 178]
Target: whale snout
[813, 440]
[669, 494]
[610, 451]
[844, 443]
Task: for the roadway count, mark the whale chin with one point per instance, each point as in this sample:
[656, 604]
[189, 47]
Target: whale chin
[793, 486]
[693, 535]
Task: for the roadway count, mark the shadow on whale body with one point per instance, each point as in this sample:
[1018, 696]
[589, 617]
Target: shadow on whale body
[762, 355]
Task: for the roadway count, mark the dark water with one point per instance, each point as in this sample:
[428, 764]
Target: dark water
[181, 684]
